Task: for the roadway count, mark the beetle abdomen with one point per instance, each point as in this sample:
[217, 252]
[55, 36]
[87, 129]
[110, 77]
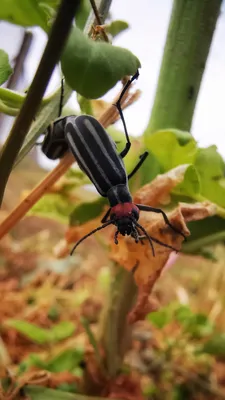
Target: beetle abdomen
[55, 145]
[95, 152]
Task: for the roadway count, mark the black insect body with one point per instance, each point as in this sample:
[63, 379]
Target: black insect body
[96, 154]
[54, 145]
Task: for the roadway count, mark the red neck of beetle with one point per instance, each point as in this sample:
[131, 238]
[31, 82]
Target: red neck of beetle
[124, 210]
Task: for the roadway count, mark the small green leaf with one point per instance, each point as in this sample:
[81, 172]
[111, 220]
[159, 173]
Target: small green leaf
[82, 14]
[40, 335]
[183, 313]
[5, 67]
[197, 325]
[160, 318]
[85, 63]
[55, 206]
[53, 313]
[215, 345]
[116, 27]
[150, 169]
[68, 360]
[183, 137]
[85, 212]
[24, 12]
[210, 167]
[42, 393]
[168, 151]
[190, 186]
[68, 387]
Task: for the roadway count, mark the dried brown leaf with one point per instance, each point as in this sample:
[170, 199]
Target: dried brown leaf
[158, 191]
[128, 252]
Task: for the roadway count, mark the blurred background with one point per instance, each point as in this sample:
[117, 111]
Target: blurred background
[53, 307]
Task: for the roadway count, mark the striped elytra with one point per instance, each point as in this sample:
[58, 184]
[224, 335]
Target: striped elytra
[96, 154]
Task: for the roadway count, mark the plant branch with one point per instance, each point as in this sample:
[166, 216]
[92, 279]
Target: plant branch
[20, 58]
[189, 38]
[98, 19]
[197, 244]
[52, 52]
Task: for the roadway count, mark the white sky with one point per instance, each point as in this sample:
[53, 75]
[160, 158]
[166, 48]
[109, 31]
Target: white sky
[146, 37]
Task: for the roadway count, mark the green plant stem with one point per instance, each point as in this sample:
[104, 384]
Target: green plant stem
[57, 38]
[205, 241]
[189, 38]
[11, 97]
[116, 333]
[8, 110]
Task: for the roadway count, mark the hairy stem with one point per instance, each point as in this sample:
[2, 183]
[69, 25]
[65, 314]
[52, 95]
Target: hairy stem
[186, 50]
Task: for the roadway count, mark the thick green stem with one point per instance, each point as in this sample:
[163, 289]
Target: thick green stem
[116, 333]
[187, 46]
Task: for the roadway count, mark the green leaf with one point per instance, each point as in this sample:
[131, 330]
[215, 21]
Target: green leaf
[24, 12]
[116, 27]
[5, 67]
[55, 206]
[68, 387]
[68, 360]
[183, 137]
[215, 345]
[160, 318]
[82, 14]
[42, 393]
[169, 152]
[210, 167]
[190, 186]
[85, 212]
[92, 68]
[197, 325]
[40, 335]
[183, 313]
[150, 169]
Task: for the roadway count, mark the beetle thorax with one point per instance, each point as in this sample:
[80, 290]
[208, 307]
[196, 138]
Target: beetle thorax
[124, 216]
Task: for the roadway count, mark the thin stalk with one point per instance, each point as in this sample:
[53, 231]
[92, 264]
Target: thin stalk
[52, 52]
[204, 241]
[188, 42]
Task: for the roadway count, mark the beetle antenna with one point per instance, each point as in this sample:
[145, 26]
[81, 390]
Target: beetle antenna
[61, 98]
[148, 237]
[156, 240]
[89, 234]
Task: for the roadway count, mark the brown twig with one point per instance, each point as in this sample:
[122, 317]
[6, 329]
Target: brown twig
[106, 119]
[19, 59]
[98, 19]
